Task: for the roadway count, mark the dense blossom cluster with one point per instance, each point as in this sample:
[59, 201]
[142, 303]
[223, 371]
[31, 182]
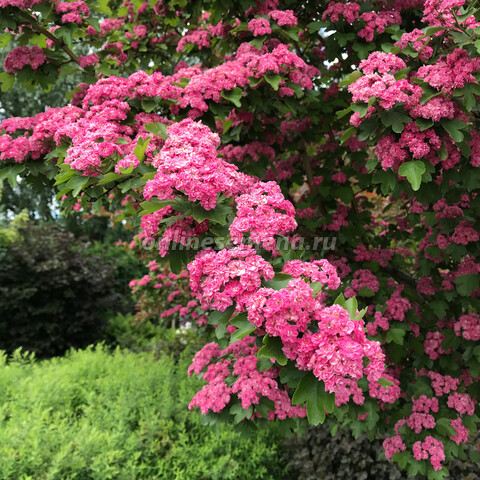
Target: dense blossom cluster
[249, 385]
[22, 56]
[262, 213]
[188, 163]
[222, 278]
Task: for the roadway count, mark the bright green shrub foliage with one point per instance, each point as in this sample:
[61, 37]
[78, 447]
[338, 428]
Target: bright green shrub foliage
[101, 415]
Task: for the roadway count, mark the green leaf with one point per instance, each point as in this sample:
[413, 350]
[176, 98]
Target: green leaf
[103, 7]
[149, 104]
[444, 428]
[312, 392]
[279, 281]
[351, 306]
[217, 215]
[342, 113]
[5, 39]
[395, 335]
[7, 80]
[239, 413]
[273, 80]
[244, 327]
[365, 292]
[11, 173]
[360, 314]
[316, 287]
[439, 308]
[258, 42]
[466, 284]
[158, 129]
[423, 123]
[351, 78]
[469, 101]
[154, 205]
[177, 257]
[367, 129]
[77, 183]
[413, 171]
[272, 348]
[221, 330]
[347, 134]
[264, 407]
[291, 375]
[215, 317]
[453, 127]
[234, 96]
[131, 184]
[110, 177]
[141, 148]
[64, 177]
[395, 120]
[384, 382]
[340, 300]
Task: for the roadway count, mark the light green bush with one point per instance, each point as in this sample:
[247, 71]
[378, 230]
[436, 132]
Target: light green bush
[101, 415]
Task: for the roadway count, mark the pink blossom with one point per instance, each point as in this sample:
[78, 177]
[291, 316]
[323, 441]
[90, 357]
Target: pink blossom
[259, 26]
[20, 57]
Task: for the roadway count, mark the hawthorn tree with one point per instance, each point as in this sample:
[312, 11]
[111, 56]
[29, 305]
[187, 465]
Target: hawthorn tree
[249, 130]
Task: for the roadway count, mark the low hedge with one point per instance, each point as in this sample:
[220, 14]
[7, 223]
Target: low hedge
[100, 415]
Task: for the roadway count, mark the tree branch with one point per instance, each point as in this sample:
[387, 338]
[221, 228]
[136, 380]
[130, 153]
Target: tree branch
[42, 30]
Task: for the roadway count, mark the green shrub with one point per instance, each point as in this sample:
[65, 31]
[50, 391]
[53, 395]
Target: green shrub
[52, 296]
[101, 415]
[126, 332]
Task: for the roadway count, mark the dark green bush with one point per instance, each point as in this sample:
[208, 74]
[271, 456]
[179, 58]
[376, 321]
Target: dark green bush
[101, 415]
[125, 265]
[52, 296]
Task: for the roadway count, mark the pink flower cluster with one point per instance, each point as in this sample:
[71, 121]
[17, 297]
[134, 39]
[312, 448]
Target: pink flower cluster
[316, 271]
[199, 37]
[417, 144]
[377, 22]
[388, 394]
[468, 327]
[364, 278]
[382, 62]
[465, 233]
[336, 352]
[188, 163]
[450, 72]
[284, 18]
[433, 345]
[418, 41]
[259, 26]
[424, 404]
[262, 212]
[222, 278]
[87, 60]
[349, 11]
[432, 449]
[462, 403]
[20, 57]
[386, 88]
[439, 13]
[393, 445]
[238, 364]
[74, 11]
[462, 431]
